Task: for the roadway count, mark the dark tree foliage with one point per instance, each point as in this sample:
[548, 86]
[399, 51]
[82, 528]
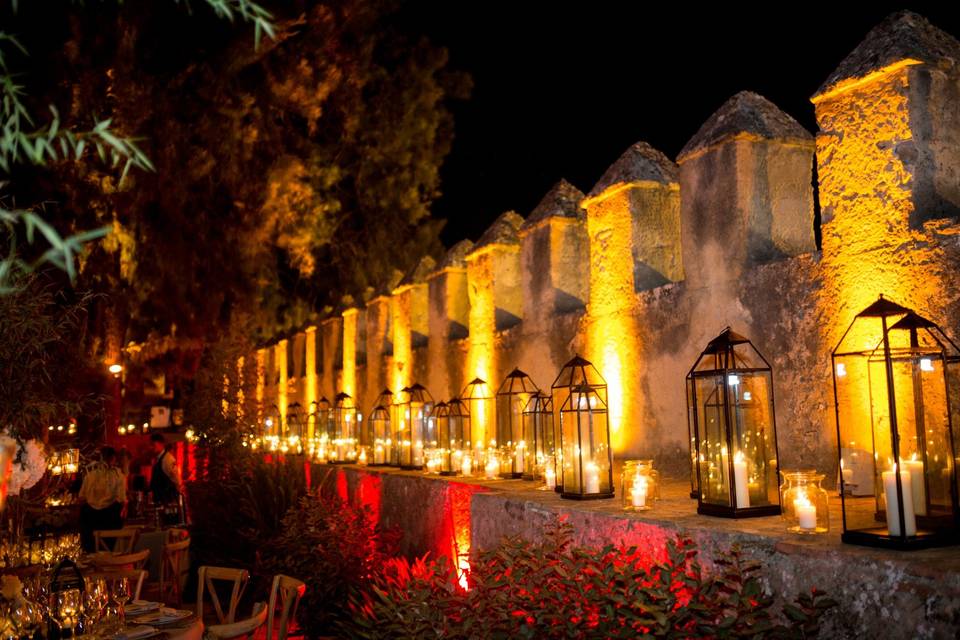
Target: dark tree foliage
[287, 176]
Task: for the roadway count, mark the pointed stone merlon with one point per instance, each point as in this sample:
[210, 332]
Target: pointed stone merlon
[554, 249]
[354, 346]
[311, 378]
[409, 310]
[633, 223]
[379, 336]
[747, 195]
[494, 277]
[331, 333]
[889, 119]
[449, 320]
[280, 361]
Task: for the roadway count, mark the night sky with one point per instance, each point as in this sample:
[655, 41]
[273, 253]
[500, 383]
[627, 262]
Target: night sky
[562, 89]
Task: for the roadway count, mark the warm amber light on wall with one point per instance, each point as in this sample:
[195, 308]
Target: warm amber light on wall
[402, 336]
[311, 387]
[612, 343]
[349, 384]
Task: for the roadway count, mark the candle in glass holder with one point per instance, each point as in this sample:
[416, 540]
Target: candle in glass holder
[740, 480]
[518, 458]
[806, 513]
[591, 478]
[893, 504]
[466, 465]
[550, 478]
[362, 459]
[456, 460]
[492, 470]
[378, 457]
[919, 490]
[638, 491]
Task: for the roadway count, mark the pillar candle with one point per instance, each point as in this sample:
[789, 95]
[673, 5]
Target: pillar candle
[518, 463]
[492, 469]
[919, 494]
[806, 514]
[362, 460]
[740, 481]
[378, 454]
[466, 466]
[550, 478]
[456, 460]
[893, 504]
[591, 482]
[638, 492]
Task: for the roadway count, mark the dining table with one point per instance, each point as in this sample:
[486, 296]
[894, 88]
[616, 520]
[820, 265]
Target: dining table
[154, 620]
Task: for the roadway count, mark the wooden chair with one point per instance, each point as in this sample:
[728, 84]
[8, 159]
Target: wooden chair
[173, 571]
[205, 583]
[120, 561]
[115, 540]
[289, 590]
[176, 535]
[243, 628]
[135, 576]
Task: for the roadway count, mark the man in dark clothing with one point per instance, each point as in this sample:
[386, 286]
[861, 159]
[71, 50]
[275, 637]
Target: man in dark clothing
[165, 477]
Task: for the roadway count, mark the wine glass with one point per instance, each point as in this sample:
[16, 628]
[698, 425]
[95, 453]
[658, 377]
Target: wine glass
[66, 609]
[121, 593]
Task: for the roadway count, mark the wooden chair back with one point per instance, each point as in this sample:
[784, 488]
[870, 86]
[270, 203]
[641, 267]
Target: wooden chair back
[117, 541]
[244, 628]
[288, 592]
[135, 576]
[173, 570]
[176, 535]
[117, 561]
[206, 583]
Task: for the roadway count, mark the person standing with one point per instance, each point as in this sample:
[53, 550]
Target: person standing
[165, 477]
[103, 496]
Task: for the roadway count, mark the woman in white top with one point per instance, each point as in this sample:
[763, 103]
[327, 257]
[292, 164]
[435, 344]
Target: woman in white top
[103, 496]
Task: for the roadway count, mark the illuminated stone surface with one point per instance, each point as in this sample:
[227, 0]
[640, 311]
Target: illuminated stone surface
[668, 256]
[882, 594]
[449, 320]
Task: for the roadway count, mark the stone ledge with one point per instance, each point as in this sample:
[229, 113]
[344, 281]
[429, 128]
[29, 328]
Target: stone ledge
[882, 593]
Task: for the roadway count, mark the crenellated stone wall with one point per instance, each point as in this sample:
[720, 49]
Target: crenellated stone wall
[660, 256]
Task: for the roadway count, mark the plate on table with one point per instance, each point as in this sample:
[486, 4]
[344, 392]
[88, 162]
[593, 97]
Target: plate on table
[136, 633]
[139, 607]
[162, 616]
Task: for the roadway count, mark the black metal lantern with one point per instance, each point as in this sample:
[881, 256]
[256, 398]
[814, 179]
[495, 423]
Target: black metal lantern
[896, 381]
[413, 429]
[476, 395]
[576, 373]
[585, 440]
[377, 426]
[512, 397]
[345, 428]
[734, 433]
[323, 425]
[538, 434]
[453, 421]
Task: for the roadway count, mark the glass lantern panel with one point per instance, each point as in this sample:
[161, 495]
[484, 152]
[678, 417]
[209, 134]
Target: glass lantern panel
[711, 432]
[924, 429]
[538, 434]
[585, 438]
[862, 418]
[751, 400]
[479, 401]
[952, 366]
[692, 438]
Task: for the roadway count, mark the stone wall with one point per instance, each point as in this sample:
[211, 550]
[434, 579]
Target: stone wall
[660, 256]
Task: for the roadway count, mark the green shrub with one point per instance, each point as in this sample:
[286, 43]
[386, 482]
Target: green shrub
[552, 589]
[238, 508]
[336, 549]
